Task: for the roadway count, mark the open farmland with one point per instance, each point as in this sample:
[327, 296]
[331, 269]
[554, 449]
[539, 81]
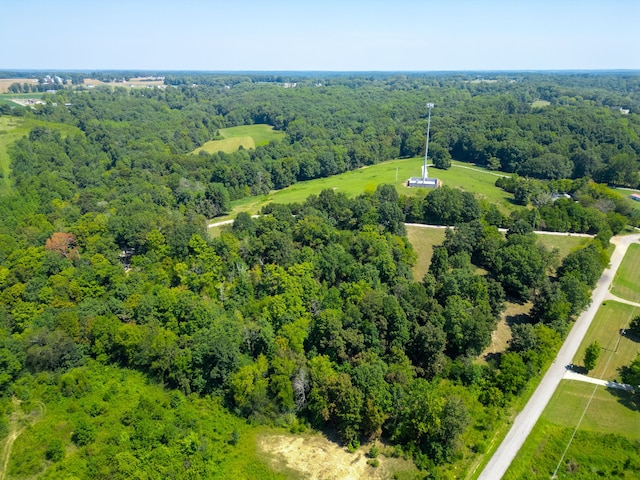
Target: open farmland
[246, 136]
[5, 83]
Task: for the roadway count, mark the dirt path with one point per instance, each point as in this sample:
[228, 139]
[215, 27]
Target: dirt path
[17, 423]
[571, 375]
[615, 298]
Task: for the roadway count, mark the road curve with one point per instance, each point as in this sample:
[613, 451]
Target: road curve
[524, 422]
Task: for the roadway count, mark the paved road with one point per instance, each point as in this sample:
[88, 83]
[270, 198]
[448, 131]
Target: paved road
[540, 232]
[615, 298]
[528, 417]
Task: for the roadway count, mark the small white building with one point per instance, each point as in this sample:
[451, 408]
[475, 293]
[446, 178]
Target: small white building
[422, 182]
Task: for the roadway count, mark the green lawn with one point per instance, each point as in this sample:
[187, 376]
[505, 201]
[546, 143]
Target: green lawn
[540, 104]
[246, 136]
[14, 128]
[626, 283]
[564, 244]
[617, 350]
[473, 179]
[605, 446]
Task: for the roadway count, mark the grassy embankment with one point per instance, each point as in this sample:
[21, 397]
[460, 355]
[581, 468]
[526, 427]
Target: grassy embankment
[14, 128]
[607, 442]
[246, 136]
[132, 428]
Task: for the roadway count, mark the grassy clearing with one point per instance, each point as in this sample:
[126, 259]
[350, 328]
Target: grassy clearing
[14, 128]
[626, 283]
[514, 313]
[540, 104]
[479, 181]
[617, 350]
[605, 446]
[246, 136]
[423, 240]
[564, 244]
[606, 413]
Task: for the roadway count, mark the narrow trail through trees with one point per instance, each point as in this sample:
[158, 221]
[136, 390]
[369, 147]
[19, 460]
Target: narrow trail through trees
[17, 424]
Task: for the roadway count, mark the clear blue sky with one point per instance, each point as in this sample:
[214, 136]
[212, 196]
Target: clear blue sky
[320, 35]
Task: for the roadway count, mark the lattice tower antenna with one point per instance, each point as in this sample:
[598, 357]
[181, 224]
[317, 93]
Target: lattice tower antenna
[425, 174]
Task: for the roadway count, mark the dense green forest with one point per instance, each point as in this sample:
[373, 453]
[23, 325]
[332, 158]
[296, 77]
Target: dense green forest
[308, 315]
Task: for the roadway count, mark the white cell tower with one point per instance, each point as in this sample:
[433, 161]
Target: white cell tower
[426, 150]
[425, 181]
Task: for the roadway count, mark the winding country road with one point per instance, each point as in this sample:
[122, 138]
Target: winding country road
[524, 422]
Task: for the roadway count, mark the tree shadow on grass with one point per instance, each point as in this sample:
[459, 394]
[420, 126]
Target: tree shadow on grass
[627, 399]
[634, 337]
[518, 319]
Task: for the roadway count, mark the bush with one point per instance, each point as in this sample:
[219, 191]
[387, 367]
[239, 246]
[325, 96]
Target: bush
[374, 451]
[84, 434]
[591, 356]
[55, 451]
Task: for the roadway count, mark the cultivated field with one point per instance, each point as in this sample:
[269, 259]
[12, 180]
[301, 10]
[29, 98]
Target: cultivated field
[246, 136]
[5, 83]
[132, 82]
[626, 284]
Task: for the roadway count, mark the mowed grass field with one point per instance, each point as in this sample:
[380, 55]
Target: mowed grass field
[617, 350]
[423, 240]
[246, 136]
[564, 244]
[605, 446]
[626, 283]
[14, 128]
[479, 181]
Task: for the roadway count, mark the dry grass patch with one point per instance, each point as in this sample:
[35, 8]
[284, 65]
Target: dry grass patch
[423, 240]
[5, 83]
[514, 313]
[314, 457]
